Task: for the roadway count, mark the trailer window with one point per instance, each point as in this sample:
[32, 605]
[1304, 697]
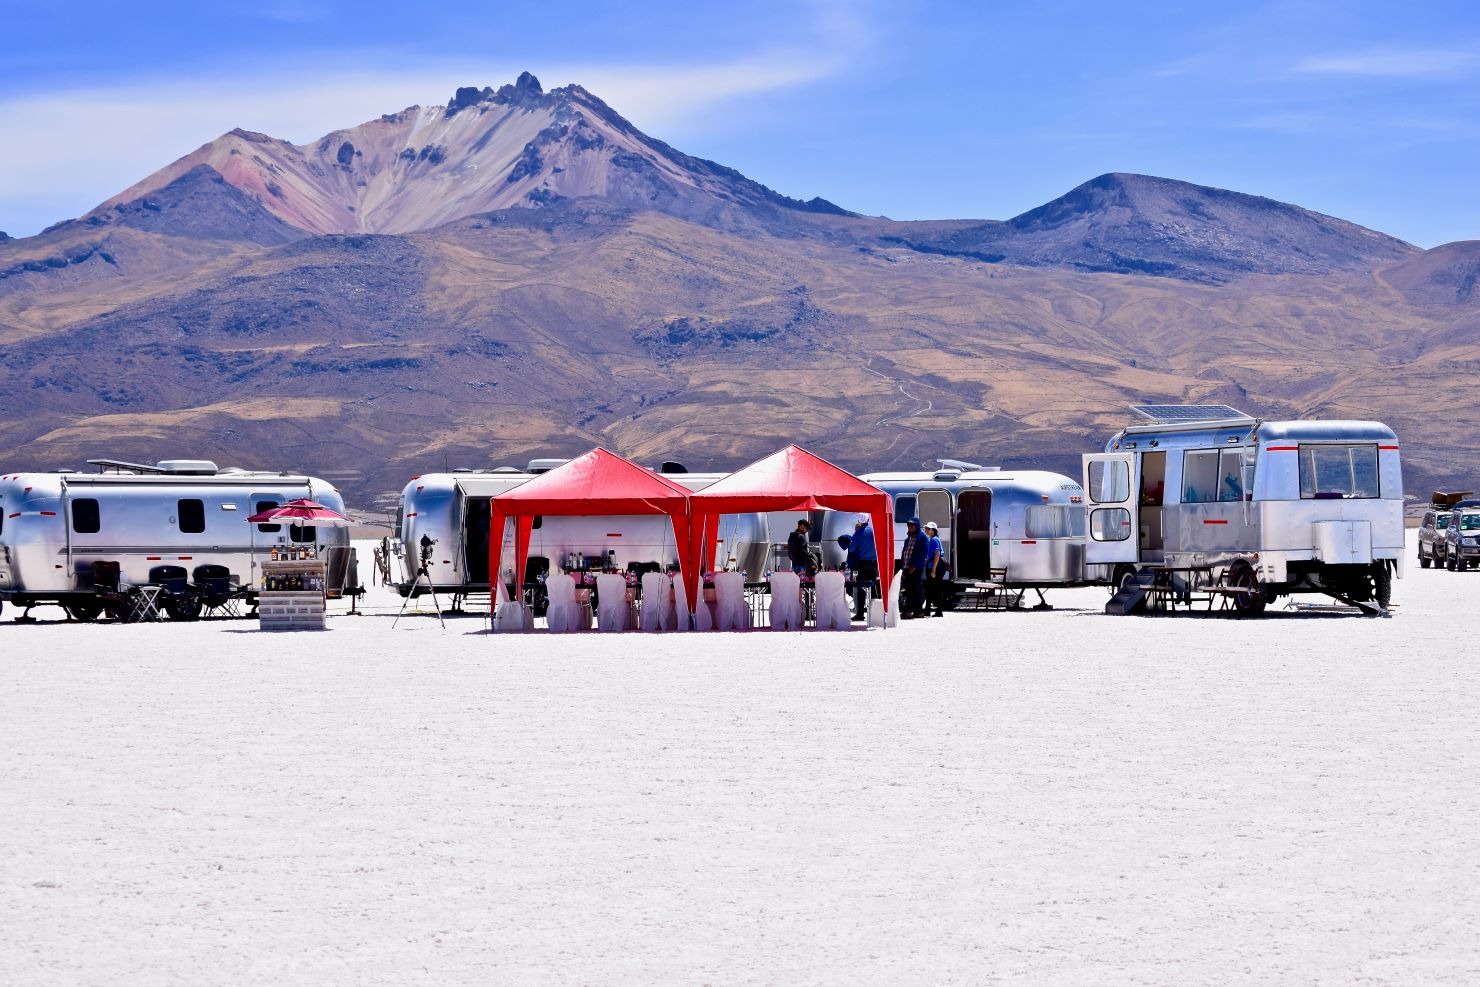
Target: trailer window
[1110, 524]
[904, 506]
[85, 516]
[1054, 521]
[1200, 476]
[1329, 472]
[267, 529]
[191, 516]
[306, 533]
[1109, 481]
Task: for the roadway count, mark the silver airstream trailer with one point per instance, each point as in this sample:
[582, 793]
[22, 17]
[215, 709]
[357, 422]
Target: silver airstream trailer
[1213, 498]
[180, 525]
[1027, 525]
[451, 510]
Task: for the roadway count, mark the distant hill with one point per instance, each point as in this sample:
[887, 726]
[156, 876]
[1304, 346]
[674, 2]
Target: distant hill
[1135, 224]
[521, 272]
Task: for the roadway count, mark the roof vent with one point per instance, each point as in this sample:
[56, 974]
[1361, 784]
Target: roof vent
[505, 469]
[946, 476]
[188, 467]
[537, 466]
[958, 465]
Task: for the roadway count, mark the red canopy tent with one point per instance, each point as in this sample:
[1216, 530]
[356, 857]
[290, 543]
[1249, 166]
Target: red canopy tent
[596, 484]
[791, 480]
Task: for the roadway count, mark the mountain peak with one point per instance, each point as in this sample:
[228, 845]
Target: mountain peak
[1125, 223]
[525, 91]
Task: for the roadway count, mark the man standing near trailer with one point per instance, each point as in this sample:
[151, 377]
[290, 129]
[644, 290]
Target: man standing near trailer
[912, 559]
[934, 560]
[863, 561]
[798, 550]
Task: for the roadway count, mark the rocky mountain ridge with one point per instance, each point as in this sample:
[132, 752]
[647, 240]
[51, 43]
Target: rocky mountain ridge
[522, 272]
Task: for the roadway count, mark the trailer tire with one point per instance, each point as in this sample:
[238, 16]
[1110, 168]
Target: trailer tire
[1123, 574]
[1382, 584]
[84, 613]
[1250, 604]
[183, 608]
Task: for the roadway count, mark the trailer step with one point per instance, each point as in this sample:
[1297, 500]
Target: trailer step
[1131, 597]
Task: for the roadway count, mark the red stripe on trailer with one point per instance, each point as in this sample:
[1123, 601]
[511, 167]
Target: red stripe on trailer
[1388, 448]
[614, 534]
[153, 558]
[1281, 448]
[16, 514]
[1030, 541]
[48, 513]
[186, 558]
[1214, 521]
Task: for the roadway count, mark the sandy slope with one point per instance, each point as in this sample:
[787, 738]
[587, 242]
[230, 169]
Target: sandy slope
[1057, 798]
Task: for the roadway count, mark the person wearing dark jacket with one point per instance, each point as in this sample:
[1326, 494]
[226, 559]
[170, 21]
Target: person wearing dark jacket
[912, 561]
[863, 562]
[797, 549]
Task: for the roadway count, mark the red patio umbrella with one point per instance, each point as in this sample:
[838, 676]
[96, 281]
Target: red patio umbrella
[301, 512]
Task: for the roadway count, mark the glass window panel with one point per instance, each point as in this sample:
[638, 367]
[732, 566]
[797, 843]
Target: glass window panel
[1230, 475]
[1109, 481]
[1110, 523]
[86, 519]
[191, 516]
[904, 507]
[1364, 471]
[1200, 477]
[267, 505]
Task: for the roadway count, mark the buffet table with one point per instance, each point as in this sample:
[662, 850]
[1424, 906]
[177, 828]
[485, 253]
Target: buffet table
[291, 597]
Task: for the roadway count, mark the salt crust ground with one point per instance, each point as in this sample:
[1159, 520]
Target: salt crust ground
[1061, 798]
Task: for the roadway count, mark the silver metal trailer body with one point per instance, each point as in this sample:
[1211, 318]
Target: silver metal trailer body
[1026, 522]
[452, 510]
[1287, 507]
[56, 526]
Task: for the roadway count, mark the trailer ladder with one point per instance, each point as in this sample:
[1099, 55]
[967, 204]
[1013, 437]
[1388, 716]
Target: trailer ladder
[1131, 596]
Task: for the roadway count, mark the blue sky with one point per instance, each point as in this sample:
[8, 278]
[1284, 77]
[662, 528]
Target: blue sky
[1367, 111]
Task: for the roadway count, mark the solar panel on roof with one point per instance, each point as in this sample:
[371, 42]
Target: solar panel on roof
[1174, 413]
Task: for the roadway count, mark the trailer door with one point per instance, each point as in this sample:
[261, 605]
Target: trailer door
[1110, 486]
[935, 505]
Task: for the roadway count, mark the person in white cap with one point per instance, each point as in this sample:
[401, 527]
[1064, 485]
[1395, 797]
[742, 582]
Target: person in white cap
[934, 570]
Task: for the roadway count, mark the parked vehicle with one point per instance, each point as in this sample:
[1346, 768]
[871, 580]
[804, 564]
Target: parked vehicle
[1431, 536]
[451, 509]
[1014, 529]
[1462, 540]
[1264, 509]
[81, 540]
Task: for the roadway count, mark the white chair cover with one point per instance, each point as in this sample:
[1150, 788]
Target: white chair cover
[614, 613]
[833, 609]
[672, 593]
[564, 614]
[786, 601]
[512, 617]
[657, 596]
[732, 611]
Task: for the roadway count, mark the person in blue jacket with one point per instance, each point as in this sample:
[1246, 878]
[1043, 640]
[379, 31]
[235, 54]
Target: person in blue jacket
[912, 571]
[935, 563]
[863, 562]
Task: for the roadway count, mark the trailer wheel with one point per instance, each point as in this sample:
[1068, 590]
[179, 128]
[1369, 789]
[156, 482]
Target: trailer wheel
[186, 607]
[1250, 604]
[1382, 584]
[84, 613]
[1123, 575]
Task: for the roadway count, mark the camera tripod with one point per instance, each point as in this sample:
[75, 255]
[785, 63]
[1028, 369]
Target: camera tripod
[422, 573]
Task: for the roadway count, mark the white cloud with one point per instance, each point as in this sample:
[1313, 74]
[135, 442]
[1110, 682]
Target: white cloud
[70, 150]
[1393, 63]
